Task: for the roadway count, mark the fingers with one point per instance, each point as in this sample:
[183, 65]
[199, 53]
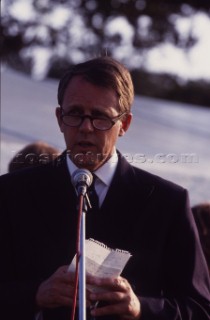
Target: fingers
[119, 296]
[113, 284]
[63, 275]
[114, 290]
[126, 307]
[57, 290]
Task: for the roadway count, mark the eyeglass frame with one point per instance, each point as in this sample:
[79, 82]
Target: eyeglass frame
[92, 118]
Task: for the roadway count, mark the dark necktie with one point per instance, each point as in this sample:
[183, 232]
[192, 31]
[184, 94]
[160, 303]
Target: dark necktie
[93, 197]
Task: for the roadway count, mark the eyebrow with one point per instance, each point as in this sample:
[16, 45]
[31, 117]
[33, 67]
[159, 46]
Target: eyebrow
[95, 111]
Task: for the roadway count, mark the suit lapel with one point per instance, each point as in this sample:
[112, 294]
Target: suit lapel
[60, 209]
[127, 186]
[124, 202]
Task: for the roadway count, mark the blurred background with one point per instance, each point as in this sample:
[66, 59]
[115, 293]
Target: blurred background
[165, 45]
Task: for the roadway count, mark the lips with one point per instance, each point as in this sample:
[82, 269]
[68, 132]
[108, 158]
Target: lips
[86, 145]
[85, 153]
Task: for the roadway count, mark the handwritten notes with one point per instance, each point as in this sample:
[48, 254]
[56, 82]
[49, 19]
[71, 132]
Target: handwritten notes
[102, 261]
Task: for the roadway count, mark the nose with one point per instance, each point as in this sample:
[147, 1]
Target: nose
[86, 126]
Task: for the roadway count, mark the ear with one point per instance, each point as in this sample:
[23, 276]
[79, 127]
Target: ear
[125, 124]
[58, 116]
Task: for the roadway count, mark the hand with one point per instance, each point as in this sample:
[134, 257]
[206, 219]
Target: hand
[120, 298]
[58, 290]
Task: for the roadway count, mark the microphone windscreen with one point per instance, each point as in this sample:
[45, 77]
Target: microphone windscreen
[82, 177]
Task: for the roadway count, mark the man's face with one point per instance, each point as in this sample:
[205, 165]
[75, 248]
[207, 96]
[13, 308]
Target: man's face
[89, 147]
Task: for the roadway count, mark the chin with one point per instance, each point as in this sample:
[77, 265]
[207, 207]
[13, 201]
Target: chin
[82, 161]
[86, 158]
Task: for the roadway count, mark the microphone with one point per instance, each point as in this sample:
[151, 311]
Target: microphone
[81, 179]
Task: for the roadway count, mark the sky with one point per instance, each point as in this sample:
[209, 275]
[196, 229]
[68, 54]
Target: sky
[193, 64]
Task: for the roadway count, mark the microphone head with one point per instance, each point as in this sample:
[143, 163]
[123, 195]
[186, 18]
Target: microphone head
[81, 178]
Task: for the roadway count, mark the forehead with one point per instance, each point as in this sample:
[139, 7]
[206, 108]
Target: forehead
[84, 93]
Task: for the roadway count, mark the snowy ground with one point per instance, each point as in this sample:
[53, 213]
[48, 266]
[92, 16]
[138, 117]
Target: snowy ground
[168, 139]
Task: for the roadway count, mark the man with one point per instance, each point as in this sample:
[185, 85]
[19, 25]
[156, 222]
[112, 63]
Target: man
[201, 213]
[166, 278]
[33, 154]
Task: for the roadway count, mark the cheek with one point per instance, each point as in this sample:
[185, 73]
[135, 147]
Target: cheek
[69, 136]
[110, 140]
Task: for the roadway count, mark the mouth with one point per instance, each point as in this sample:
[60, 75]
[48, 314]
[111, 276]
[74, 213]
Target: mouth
[85, 154]
[86, 144]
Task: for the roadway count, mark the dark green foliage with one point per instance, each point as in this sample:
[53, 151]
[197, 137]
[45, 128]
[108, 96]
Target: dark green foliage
[166, 86]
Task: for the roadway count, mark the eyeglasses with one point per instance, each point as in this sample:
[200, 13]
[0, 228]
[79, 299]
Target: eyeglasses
[99, 123]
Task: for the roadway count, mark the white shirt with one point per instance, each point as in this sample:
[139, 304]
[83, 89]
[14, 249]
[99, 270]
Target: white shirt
[104, 175]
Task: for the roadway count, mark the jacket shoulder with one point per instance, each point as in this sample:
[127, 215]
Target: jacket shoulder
[155, 180]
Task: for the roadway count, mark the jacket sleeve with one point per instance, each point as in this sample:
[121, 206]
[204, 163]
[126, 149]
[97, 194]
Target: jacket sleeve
[17, 296]
[186, 290]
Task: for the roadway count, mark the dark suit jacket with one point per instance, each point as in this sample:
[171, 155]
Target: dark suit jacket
[142, 213]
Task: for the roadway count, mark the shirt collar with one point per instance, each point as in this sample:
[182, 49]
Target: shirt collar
[106, 172]
[70, 165]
